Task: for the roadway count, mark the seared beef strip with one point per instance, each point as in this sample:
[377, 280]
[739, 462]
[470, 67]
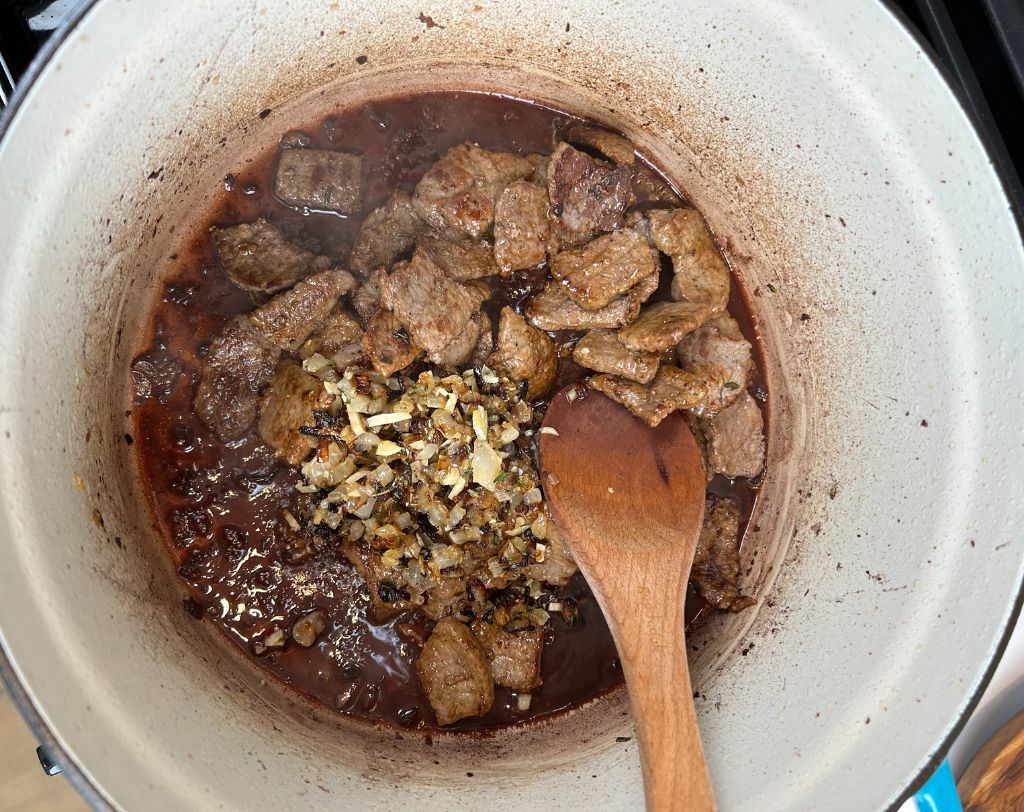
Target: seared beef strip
[455, 673]
[716, 567]
[473, 340]
[604, 269]
[460, 190]
[736, 444]
[387, 344]
[524, 353]
[462, 259]
[587, 196]
[386, 599]
[540, 168]
[338, 338]
[601, 351]
[514, 656]
[320, 179]
[663, 325]
[258, 259]
[287, 405]
[366, 298]
[557, 567]
[434, 307]
[521, 231]
[238, 364]
[287, 320]
[701, 274]
[387, 233]
[613, 147]
[552, 309]
[719, 346]
[672, 389]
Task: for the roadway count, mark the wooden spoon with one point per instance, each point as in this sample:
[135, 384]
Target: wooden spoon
[629, 501]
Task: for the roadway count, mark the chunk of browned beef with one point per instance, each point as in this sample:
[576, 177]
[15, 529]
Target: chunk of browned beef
[601, 351]
[338, 338]
[387, 344]
[514, 656]
[387, 233]
[540, 168]
[521, 231]
[460, 190]
[387, 597]
[587, 196]
[701, 274]
[320, 179]
[366, 298]
[605, 268]
[462, 259]
[671, 389]
[557, 567]
[718, 346]
[287, 320]
[613, 147]
[524, 353]
[454, 673]
[716, 566]
[258, 259]
[433, 306]
[238, 364]
[552, 309]
[472, 341]
[736, 438]
[664, 324]
[446, 597]
[287, 405]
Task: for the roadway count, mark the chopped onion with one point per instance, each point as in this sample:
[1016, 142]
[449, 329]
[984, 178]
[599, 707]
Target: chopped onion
[486, 465]
[457, 514]
[355, 420]
[480, 423]
[366, 441]
[509, 435]
[316, 363]
[549, 430]
[366, 510]
[387, 448]
[387, 418]
[523, 701]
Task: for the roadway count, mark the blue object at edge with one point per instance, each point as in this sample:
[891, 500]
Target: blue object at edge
[939, 793]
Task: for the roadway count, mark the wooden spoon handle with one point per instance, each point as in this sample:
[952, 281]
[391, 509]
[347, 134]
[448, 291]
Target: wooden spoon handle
[653, 656]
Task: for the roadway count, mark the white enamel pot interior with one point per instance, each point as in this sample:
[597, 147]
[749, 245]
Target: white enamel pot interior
[854, 200]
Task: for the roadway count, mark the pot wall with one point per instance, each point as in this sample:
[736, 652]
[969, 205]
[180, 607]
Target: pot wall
[833, 164]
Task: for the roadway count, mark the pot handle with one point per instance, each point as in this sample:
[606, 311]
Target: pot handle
[939, 792]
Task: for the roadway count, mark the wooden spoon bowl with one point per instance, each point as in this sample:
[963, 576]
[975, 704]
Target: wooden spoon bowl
[629, 501]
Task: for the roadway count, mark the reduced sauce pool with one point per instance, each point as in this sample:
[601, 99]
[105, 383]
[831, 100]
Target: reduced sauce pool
[217, 506]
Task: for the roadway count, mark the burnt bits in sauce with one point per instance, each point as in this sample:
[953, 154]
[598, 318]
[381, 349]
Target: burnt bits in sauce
[217, 506]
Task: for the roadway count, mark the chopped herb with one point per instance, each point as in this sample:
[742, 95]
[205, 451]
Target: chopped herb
[772, 288]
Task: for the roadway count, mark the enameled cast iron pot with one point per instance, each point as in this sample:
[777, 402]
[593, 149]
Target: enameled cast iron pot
[852, 196]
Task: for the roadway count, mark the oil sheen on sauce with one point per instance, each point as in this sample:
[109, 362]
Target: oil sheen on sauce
[217, 506]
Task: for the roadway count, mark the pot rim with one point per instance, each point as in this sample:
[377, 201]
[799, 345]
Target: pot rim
[83, 783]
